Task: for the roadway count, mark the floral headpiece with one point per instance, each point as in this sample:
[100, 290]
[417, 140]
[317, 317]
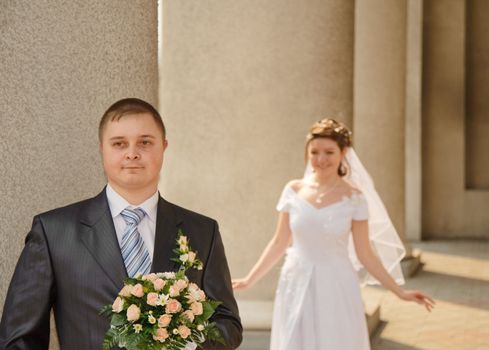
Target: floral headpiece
[329, 127]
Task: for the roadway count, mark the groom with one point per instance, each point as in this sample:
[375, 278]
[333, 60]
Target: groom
[72, 261]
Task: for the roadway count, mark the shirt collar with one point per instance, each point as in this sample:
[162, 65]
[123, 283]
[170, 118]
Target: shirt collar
[117, 203]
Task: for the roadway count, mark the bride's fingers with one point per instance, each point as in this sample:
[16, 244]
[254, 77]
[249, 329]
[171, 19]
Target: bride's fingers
[429, 304]
[427, 300]
[424, 300]
[238, 285]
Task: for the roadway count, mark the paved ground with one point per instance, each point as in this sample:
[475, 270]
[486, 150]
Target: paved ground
[456, 274]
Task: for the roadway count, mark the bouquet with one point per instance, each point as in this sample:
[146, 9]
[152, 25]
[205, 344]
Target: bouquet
[162, 311]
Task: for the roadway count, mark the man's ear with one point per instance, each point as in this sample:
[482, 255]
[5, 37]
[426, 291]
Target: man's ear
[165, 144]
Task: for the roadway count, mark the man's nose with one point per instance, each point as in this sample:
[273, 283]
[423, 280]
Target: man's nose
[132, 153]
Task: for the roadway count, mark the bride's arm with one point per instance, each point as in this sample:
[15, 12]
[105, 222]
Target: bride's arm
[274, 250]
[370, 261]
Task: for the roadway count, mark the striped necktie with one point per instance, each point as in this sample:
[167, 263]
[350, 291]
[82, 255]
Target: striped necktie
[134, 252]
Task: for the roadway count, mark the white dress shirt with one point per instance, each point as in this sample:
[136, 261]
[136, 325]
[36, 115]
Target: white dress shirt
[146, 227]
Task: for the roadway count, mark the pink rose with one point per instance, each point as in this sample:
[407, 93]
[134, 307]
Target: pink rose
[126, 291]
[190, 298]
[197, 308]
[191, 257]
[133, 313]
[161, 335]
[193, 287]
[118, 305]
[159, 284]
[200, 295]
[174, 291]
[137, 290]
[195, 295]
[181, 284]
[152, 299]
[189, 315]
[164, 320]
[173, 306]
[184, 331]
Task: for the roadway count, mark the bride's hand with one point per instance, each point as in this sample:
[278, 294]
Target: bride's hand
[418, 297]
[240, 283]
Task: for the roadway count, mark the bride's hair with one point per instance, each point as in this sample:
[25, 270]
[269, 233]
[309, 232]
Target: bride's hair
[331, 129]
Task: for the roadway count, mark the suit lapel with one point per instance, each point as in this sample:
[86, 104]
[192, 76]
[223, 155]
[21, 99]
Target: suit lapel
[101, 240]
[167, 223]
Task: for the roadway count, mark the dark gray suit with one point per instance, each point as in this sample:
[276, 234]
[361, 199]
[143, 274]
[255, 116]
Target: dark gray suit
[72, 262]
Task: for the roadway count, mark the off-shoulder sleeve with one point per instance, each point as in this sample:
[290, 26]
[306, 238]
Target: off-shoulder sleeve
[360, 207]
[283, 204]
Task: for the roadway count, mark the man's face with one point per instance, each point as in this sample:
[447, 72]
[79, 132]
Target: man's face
[132, 151]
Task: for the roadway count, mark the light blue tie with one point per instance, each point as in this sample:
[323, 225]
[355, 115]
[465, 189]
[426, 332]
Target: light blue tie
[134, 252]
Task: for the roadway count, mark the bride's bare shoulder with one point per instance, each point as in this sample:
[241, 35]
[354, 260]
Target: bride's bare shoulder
[295, 184]
[351, 189]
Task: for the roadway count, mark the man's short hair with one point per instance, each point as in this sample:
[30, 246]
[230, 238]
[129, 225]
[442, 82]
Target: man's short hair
[129, 106]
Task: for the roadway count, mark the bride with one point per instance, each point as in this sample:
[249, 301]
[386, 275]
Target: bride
[337, 236]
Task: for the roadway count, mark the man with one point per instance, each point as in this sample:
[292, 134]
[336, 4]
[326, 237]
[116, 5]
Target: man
[76, 258]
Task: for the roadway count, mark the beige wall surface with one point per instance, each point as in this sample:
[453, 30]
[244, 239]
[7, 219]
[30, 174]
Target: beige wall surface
[61, 65]
[449, 210]
[241, 82]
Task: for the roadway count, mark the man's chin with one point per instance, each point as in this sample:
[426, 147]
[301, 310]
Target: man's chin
[133, 171]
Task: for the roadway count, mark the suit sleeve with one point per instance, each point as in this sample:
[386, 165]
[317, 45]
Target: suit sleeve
[217, 286]
[25, 320]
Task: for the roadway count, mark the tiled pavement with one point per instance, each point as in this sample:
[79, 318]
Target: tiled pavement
[456, 274]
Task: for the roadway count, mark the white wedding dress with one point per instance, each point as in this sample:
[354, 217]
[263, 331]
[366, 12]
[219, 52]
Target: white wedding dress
[318, 305]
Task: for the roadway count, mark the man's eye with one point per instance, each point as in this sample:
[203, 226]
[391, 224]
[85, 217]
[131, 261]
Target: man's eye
[146, 142]
[117, 144]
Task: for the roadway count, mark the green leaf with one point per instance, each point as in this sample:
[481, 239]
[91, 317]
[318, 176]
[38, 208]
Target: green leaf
[209, 307]
[214, 303]
[214, 334]
[134, 340]
[180, 274]
[110, 339]
[117, 320]
[106, 311]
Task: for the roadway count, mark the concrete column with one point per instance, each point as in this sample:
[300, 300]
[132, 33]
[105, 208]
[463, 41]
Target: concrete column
[61, 65]
[413, 144]
[380, 99]
[241, 82]
[449, 211]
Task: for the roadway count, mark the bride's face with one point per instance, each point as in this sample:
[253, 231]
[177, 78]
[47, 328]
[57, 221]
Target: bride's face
[325, 156]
